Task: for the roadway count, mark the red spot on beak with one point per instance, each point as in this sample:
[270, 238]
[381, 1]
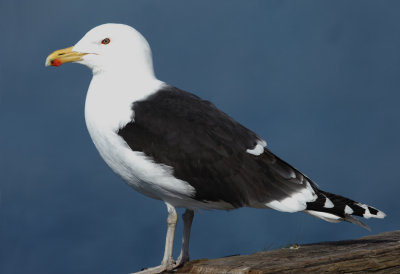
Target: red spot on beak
[56, 63]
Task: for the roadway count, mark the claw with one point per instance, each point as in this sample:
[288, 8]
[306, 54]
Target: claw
[181, 261]
[153, 270]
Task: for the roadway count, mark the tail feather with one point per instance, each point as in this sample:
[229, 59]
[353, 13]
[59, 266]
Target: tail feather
[356, 221]
[335, 208]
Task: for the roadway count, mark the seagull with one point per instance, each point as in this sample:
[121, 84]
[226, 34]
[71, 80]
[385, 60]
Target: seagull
[173, 146]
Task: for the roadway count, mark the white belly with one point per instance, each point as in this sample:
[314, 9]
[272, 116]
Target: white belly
[138, 170]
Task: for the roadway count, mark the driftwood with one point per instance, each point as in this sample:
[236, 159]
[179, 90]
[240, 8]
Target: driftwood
[378, 253]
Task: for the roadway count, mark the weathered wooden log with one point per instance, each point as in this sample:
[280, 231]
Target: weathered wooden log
[378, 253]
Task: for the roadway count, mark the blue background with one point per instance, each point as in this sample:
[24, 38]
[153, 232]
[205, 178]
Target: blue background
[319, 80]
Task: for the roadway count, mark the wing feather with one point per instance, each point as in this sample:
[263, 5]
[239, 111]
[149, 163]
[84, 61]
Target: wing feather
[207, 148]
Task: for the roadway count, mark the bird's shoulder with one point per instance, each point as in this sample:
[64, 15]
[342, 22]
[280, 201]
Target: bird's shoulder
[171, 102]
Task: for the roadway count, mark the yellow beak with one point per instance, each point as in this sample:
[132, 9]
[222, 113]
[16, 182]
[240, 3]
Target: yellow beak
[62, 56]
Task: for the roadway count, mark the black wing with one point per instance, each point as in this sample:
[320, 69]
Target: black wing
[207, 149]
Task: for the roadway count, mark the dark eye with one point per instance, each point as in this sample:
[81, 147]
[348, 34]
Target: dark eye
[106, 41]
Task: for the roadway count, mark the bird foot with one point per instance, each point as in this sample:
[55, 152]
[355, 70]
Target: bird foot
[153, 270]
[181, 261]
[170, 266]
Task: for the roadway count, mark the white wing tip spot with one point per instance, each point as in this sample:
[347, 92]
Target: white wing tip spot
[348, 210]
[258, 149]
[328, 203]
[368, 214]
[380, 215]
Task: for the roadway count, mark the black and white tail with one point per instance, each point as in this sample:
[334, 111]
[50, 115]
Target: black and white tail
[334, 208]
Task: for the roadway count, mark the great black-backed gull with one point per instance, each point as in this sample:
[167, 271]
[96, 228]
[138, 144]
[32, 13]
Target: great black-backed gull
[173, 146]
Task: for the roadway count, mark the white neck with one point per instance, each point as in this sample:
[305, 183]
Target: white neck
[109, 102]
[131, 66]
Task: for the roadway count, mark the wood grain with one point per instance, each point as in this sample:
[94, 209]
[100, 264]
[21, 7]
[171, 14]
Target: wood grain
[378, 253]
